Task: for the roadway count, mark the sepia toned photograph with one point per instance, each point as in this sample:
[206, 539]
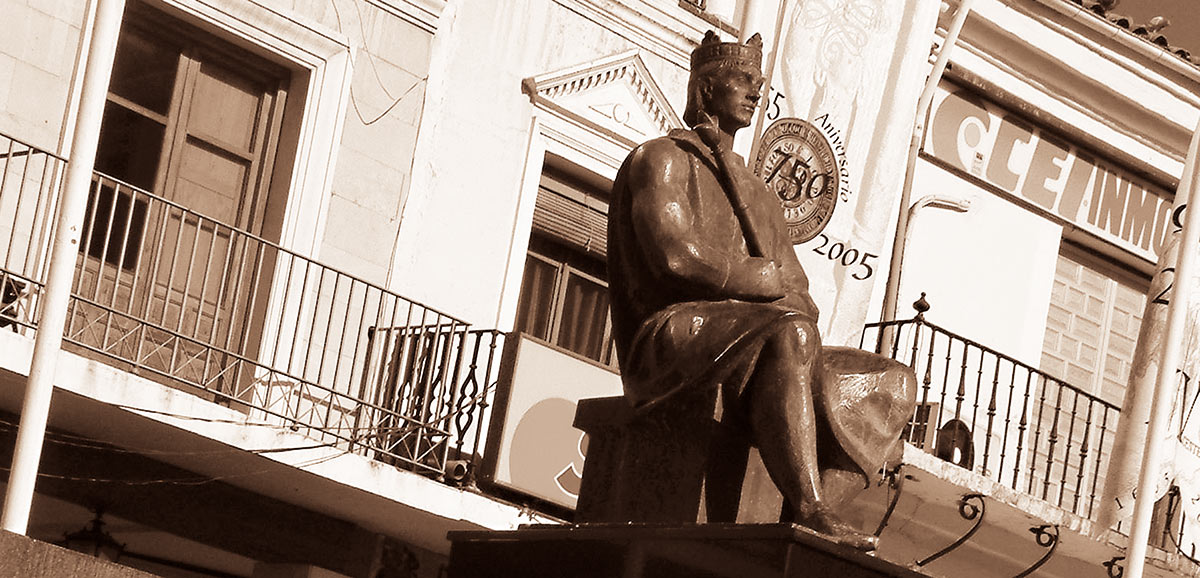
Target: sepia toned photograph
[599, 289]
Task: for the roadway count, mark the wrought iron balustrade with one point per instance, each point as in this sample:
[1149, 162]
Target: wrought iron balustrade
[1170, 528]
[166, 292]
[1004, 419]
[29, 181]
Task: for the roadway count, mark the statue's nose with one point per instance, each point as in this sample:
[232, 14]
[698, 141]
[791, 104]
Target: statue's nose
[754, 96]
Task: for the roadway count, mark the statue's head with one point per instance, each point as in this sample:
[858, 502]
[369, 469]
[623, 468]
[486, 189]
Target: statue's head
[726, 82]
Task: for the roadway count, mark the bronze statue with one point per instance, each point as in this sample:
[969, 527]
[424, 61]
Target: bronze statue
[707, 292]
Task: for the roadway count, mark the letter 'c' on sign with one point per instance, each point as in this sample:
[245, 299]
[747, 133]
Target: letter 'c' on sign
[956, 109]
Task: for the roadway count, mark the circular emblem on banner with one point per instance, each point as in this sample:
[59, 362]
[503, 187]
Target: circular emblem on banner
[797, 163]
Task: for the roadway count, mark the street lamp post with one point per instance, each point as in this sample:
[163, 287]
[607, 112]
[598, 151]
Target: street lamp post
[892, 294]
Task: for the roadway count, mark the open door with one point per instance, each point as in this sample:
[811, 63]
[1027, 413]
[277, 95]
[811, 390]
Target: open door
[171, 262]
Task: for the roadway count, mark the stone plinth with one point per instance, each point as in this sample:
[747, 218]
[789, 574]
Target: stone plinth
[661, 551]
[23, 557]
[687, 462]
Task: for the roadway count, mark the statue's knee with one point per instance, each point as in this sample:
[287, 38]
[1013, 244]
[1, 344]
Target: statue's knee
[803, 340]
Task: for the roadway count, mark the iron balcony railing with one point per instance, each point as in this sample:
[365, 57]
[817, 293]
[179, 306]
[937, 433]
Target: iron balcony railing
[29, 181]
[168, 293]
[1170, 530]
[992, 414]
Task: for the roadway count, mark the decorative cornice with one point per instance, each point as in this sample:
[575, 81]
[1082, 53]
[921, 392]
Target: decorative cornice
[554, 90]
[422, 13]
[1097, 90]
[665, 29]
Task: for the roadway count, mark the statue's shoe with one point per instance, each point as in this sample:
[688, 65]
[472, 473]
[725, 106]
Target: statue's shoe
[825, 523]
[854, 539]
[857, 540]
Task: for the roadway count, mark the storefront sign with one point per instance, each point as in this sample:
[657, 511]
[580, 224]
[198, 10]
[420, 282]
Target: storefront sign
[1029, 163]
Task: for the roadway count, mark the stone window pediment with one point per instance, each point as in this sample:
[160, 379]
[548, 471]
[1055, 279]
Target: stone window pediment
[614, 98]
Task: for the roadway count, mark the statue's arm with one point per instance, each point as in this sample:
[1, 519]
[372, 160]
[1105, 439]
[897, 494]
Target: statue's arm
[665, 224]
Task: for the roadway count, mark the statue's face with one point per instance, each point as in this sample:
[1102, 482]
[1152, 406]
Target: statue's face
[732, 97]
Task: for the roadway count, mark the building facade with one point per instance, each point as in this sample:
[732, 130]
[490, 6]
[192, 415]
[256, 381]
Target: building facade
[341, 278]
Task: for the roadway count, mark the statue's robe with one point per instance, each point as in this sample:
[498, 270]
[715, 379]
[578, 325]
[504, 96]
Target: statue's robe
[693, 307]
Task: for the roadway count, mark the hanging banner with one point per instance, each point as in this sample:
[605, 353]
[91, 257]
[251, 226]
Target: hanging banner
[839, 117]
[1185, 416]
[1181, 460]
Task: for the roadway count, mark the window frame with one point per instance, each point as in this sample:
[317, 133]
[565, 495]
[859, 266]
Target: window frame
[563, 269]
[320, 63]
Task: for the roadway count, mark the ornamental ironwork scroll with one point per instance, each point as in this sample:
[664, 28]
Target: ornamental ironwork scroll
[1046, 539]
[968, 509]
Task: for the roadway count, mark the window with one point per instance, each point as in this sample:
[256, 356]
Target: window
[564, 292]
[564, 300]
[186, 155]
[190, 119]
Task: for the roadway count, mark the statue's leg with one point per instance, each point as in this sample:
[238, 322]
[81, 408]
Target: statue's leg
[782, 416]
[784, 424]
[841, 481]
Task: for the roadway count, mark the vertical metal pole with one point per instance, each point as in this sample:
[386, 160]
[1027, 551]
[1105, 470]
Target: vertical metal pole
[749, 8]
[1165, 385]
[772, 59]
[891, 294]
[38, 390]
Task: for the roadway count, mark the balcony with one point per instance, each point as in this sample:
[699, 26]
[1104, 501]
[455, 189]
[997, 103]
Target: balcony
[1019, 432]
[1000, 418]
[166, 293]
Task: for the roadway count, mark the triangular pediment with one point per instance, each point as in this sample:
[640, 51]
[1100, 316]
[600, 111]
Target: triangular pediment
[616, 94]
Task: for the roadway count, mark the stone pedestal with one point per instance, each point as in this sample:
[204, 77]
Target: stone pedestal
[661, 551]
[687, 462]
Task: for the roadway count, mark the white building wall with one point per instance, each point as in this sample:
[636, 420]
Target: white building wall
[466, 224]
[458, 222]
[987, 272]
[38, 50]
[357, 218]
[374, 160]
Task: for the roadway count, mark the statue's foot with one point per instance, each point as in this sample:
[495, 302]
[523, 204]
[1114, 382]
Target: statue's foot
[857, 540]
[823, 521]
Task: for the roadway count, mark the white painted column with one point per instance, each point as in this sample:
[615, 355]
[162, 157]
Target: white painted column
[40, 386]
[891, 293]
[750, 10]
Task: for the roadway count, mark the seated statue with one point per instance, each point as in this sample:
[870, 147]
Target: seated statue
[707, 292]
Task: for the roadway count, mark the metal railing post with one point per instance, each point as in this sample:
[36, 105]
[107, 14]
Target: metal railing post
[35, 410]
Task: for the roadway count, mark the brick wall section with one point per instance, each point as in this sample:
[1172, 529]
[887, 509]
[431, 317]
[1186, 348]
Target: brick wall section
[22, 557]
[1091, 330]
[374, 162]
[1090, 334]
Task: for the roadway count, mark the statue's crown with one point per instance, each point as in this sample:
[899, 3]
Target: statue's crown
[712, 51]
